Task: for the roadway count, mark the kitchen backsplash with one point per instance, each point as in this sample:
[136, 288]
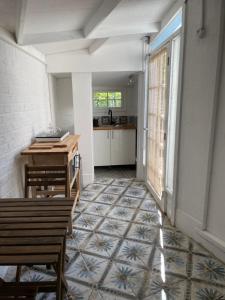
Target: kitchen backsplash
[105, 120]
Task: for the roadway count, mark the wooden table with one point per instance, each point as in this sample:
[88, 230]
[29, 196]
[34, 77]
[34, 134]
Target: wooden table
[33, 232]
[58, 153]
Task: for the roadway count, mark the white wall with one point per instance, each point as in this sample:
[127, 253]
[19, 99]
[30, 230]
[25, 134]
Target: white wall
[64, 104]
[199, 88]
[140, 174]
[52, 97]
[215, 220]
[83, 125]
[24, 111]
[132, 98]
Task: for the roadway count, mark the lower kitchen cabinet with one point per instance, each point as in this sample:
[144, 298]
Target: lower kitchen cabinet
[102, 144]
[114, 147]
[123, 144]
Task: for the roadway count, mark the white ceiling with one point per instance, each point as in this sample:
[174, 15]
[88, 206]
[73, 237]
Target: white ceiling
[111, 79]
[57, 26]
[8, 12]
[104, 79]
[58, 15]
[65, 46]
[132, 16]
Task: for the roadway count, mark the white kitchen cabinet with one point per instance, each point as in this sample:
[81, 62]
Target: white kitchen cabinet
[102, 149]
[114, 147]
[123, 144]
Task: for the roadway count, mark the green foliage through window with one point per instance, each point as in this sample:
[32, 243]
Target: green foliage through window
[112, 99]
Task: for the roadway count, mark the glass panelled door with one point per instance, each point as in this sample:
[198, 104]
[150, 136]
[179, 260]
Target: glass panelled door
[157, 100]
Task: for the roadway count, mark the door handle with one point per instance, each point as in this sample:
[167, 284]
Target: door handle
[145, 129]
[107, 134]
[112, 134]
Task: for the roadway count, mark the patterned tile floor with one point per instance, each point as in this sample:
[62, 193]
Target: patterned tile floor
[124, 248]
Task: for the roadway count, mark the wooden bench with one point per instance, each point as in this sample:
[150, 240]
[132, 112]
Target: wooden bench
[33, 232]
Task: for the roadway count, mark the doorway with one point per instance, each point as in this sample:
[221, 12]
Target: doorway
[115, 99]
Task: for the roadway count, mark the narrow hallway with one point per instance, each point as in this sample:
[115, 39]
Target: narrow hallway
[124, 248]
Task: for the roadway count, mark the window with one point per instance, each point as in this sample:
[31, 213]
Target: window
[108, 99]
[174, 25]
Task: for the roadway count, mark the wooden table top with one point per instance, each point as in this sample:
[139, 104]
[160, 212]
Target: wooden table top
[63, 147]
[32, 231]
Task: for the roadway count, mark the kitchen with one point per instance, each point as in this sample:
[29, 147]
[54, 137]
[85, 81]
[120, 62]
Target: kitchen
[114, 123]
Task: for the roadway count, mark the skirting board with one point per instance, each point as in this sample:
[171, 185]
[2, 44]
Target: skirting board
[213, 244]
[192, 227]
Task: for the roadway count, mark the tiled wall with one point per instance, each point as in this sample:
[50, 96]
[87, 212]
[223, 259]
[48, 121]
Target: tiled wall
[24, 111]
[104, 120]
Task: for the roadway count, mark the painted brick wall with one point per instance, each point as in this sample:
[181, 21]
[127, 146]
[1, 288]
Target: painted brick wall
[24, 111]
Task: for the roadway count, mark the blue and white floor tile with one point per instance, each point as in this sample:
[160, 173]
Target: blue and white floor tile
[98, 209]
[118, 190]
[165, 286]
[101, 244]
[107, 198]
[129, 202]
[124, 248]
[208, 269]
[142, 233]
[125, 279]
[114, 227]
[205, 291]
[87, 221]
[135, 252]
[174, 261]
[122, 213]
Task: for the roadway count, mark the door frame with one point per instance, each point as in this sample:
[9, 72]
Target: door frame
[161, 202]
[180, 32]
[178, 122]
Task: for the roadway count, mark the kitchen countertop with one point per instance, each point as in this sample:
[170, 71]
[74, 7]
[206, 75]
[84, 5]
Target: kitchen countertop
[117, 127]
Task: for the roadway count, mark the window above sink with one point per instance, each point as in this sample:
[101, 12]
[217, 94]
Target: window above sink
[108, 99]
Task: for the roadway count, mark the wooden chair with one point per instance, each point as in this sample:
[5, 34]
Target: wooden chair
[50, 181]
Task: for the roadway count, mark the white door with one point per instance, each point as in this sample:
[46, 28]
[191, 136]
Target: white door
[123, 147]
[102, 148]
[157, 101]
[172, 128]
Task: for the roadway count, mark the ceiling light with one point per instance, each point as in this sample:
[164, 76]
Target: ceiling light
[131, 81]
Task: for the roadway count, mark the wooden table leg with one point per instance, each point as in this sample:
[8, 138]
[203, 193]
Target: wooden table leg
[78, 185]
[70, 225]
[64, 283]
[59, 279]
[18, 272]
